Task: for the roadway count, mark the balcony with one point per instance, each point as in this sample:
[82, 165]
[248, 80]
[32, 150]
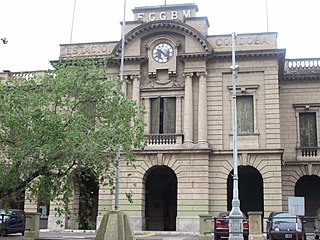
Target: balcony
[308, 153]
[164, 139]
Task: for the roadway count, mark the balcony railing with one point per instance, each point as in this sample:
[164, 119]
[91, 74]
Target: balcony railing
[164, 139]
[308, 153]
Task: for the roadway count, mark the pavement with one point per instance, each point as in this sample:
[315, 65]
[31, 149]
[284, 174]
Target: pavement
[46, 234]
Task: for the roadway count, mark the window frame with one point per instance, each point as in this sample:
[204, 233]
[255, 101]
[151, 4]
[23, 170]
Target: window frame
[307, 108]
[246, 90]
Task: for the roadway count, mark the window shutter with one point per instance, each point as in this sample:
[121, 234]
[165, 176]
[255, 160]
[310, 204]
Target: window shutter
[245, 114]
[155, 115]
[308, 129]
[169, 115]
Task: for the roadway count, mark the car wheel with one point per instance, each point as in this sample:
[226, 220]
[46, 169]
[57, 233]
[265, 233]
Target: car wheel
[316, 237]
[22, 233]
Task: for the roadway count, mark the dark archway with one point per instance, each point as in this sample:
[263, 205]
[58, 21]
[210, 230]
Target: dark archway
[309, 188]
[161, 199]
[88, 200]
[250, 189]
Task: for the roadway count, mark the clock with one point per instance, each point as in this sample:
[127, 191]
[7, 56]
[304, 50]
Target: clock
[162, 52]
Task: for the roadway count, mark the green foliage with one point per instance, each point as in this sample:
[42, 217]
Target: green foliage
[71, 118]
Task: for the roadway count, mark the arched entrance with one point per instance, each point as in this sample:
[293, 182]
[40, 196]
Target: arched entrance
[88, 200]
[161, 199]
[250, 189]
[309, 188]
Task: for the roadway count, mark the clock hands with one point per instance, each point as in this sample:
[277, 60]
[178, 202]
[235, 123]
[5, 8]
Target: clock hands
[163, 54]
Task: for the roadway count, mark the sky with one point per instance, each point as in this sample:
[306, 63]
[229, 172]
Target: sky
[35, 28]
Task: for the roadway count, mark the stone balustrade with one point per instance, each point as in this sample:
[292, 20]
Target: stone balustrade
[164, 139]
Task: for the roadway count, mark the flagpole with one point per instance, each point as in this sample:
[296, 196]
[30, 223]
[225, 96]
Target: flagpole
[74, 10]
[267, 15]
[116, 205]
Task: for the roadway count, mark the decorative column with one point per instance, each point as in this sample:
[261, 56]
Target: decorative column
[202, 110]
[136, 88]
[188, 109]
[124, 88]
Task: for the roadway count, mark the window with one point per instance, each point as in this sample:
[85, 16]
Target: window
[245, 114]
[163, 115]
[308, 129]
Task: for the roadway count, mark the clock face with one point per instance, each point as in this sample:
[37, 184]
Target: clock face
[162, 52]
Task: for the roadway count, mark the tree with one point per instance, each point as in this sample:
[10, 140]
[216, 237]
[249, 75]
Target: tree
[70, 119]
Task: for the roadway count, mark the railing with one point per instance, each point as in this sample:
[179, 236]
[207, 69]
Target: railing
[164, 139]
[303, 63]
[309, 151]
[21, 75]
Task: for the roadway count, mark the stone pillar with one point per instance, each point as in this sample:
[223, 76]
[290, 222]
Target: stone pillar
[255, 226]
[188, 109]
[136, 88]
[124, 87]
[202, 108]
[32, 225]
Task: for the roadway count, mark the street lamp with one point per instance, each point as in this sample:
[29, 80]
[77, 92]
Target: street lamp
[235, 216]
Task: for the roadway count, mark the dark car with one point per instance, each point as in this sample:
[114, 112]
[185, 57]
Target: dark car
[221, 226]
[317, 224]
[283, 225]
[12, 221]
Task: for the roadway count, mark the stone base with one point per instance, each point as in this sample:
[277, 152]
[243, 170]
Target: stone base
[187, 224]
[53, 222]
[115, 225]
[137, 223]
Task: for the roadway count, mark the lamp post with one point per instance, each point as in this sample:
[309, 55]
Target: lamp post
[235, 216]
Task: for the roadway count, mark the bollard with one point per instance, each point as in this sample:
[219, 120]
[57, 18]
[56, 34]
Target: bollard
[255, 226]
[32, 224]
[205, 227]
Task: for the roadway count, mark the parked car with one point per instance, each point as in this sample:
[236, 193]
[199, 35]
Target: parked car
[282, 225]
[221, 226]
[317, 224]
[12, 221]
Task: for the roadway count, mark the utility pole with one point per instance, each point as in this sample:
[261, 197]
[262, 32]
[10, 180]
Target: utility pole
[235, 216]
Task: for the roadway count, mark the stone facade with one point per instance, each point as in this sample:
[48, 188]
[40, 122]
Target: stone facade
[198, 152]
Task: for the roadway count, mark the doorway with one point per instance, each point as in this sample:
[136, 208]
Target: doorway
[161, 199]
[250, 189]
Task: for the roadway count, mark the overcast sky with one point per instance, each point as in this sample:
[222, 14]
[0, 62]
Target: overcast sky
[35, 28]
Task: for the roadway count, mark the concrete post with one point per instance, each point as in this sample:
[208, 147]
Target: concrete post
[205, 227]
[32, 224]
[255, 226]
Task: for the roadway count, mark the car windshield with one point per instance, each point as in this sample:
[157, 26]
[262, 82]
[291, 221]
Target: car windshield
[285, 218]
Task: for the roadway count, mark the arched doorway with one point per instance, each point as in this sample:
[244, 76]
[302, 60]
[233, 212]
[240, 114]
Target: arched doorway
[309, 188]
[88, 200]
[250, 189]
[161, 199]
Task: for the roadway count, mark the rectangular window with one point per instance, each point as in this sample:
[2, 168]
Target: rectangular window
[308, 129]
[163, 115]
[245, 114]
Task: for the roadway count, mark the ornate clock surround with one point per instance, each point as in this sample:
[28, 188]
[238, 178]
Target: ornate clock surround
[165, 62]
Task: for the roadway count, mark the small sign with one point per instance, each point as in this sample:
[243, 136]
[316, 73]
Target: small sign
[296, 206]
